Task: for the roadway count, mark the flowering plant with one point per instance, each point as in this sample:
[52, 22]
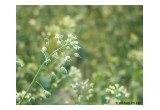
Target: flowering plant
[70, 43]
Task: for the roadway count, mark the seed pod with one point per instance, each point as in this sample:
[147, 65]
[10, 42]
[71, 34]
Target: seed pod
[47, 94]
[32, 100]
[53, 76]
[90, 91]
[46, 39]
[68, 60]
[89, 96]
[18, 64]
[63, 70]
[80, 98]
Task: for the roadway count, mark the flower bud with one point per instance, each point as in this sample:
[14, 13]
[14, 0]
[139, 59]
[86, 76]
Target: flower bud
[53, 76]
[68, 60]
[63, 70]
[80, 98]
[32, 100]
[76, 55]
[44, 49]
[46, 39]
[18, 64]
[47, 94]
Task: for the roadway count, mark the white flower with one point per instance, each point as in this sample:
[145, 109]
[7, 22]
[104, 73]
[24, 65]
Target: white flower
[76, 55]
[77, 84]
[44, 49]
[58, 36]
[107, 90]
[107, 98]
[70, 35]
[83, 87]
[117, 85]
[121, 88]
[67, 58]
[119, 94]
[58, 42]
[127, 95]
[111, 87]
[76, 47]
[74, 43]
[112, 92]
[74, 37]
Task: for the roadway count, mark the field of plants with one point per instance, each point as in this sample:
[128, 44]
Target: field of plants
[79, 55]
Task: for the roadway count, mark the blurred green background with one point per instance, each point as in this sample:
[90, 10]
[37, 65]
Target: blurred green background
[111, 40]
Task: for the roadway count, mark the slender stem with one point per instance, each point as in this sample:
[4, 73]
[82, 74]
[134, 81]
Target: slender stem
[35, 77]
[58, 81]
[40, 85]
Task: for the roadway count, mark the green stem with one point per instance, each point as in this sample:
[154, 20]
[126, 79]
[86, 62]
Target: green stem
[40, 85]
[35, 77]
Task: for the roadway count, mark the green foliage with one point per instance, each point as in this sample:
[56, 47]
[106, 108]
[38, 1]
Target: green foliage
[110, 52]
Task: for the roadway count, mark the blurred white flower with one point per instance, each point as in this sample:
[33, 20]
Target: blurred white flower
[70, 35]
[32, 22]
[44, 49]
[59, 42]
[111, 87]
[67, 58]
[117, 85]
[107, 98]
[76, 47]
[76, 55]
[59, 37]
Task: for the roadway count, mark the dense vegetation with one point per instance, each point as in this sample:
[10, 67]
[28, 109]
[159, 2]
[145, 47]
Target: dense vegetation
[109, 68]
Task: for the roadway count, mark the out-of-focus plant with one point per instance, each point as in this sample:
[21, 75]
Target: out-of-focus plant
[112, 51]
[70, 43]
[115, 94]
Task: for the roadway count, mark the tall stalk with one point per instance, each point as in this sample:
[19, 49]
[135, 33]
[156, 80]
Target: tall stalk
[35, 77]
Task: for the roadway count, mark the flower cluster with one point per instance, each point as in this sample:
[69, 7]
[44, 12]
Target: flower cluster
[117, 92]
[84, 90]
[69, 42]
[19, 96]
[65, 43]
